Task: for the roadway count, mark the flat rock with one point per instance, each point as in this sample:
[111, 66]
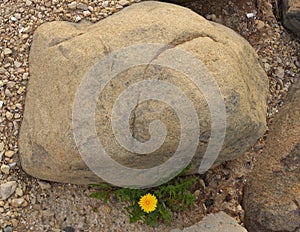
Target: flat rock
[291, 15]
[65, 55]
[272, 192]
[218, 222]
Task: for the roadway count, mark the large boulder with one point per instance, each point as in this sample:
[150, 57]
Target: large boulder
[272, 193]
[182, 56]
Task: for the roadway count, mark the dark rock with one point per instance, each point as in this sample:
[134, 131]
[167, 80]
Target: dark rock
[271, 199]
[68, 229]
[291, 15]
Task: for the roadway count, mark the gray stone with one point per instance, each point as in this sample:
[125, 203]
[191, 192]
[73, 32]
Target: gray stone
[104, 4]
[82, 6]
[62, 54]
[271, 198]
[7, 189]
[44, 185]
[8, 229]
[291, 15]
[68, 229]
[219, 222]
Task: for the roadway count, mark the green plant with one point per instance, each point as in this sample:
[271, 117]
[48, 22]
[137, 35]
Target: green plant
[173, 196]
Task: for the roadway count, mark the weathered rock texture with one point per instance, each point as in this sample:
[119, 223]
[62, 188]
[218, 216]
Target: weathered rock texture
[62, 53]
[218, 222]
[272, 194]
[291, 15]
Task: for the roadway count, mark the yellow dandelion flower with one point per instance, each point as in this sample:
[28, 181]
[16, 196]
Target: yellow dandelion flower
[148, 203]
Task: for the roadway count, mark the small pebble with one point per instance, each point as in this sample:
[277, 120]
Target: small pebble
[12, 165]
[82, 6]
[19, 192]
[1, 147]
[9, 154]
[7, 189]
[72, 5]
[77, 18]
[8, 229]
[86, 13]
[13, 18]
[280, 72]
[5, 168]
[104, 4]
[44, 185]
[259, 24]
[124, 2]
[7, 51]
[28, 3]
[17, 202]
[9, 115]
[11, 84]
[68, 229]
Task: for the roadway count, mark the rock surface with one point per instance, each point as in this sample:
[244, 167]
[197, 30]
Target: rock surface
[272, 194]
[219, 222]
[62, 53]
[291, 15]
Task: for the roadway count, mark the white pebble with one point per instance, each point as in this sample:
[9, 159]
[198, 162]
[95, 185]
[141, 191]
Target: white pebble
[250, 15]
[86, 13]
[13, 18]
[17, 64]
[28, 3]
[105, 4]
[77, 18]
[72, 5]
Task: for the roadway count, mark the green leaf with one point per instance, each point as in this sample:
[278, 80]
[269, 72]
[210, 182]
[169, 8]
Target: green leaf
[100, 195]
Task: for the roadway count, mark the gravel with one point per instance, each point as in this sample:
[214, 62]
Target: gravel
[30, 205]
